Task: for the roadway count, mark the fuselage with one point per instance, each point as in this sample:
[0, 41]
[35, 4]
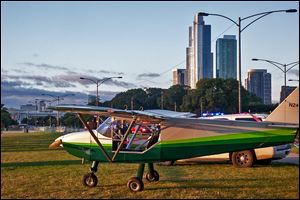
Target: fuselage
[177, 138]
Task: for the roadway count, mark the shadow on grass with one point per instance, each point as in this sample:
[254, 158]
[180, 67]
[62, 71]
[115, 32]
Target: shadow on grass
[218, 183]
[40, 163]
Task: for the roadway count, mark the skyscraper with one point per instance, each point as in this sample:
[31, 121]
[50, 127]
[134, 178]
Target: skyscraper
[286, 91]
[258, 81]
[226, 56]
[179, 76]
[199, 62]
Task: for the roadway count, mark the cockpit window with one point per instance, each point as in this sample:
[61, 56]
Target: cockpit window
[104, 127]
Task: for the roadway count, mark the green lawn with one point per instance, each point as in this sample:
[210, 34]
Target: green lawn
[30, 170]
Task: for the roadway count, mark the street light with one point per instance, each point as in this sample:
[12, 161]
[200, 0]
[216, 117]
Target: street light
[98, 82]
[57, 98]
[284, 70]
[293, 80]
[240, 29]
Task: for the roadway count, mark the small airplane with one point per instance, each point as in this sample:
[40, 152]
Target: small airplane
[134, 136]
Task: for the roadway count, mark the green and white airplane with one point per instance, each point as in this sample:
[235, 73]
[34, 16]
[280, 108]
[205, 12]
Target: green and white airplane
[131, 136]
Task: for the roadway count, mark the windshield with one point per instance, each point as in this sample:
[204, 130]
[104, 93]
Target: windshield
[104, 127]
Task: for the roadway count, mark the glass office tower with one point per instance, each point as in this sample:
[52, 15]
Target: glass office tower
[199, 56]
[226, 57]
[258, 81]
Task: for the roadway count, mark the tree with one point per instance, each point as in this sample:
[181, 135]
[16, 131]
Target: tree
[173, 97]
[217, 95]
[71, 120]
[6, 119]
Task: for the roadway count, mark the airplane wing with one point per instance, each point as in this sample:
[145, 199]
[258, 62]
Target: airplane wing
[106, 111]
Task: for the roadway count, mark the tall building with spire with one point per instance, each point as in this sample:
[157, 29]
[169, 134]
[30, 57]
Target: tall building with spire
[199, 58]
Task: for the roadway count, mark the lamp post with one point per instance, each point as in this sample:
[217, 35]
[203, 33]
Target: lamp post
[240, 30]
[293, 80]
[279, 65]
[98, 82]
[57, 98]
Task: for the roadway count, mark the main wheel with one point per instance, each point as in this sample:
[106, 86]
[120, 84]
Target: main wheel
[135, 184]
[90, 180]
[153, 178]
[243, 158]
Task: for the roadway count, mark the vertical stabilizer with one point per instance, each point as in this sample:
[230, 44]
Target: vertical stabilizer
[288, 110]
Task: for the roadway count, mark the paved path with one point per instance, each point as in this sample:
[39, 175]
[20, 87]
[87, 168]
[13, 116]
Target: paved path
[291, 158]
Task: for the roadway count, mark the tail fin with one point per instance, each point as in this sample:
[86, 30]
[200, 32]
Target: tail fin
[287, 111]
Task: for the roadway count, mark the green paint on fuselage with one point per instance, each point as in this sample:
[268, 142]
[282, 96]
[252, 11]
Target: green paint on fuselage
[187, 148]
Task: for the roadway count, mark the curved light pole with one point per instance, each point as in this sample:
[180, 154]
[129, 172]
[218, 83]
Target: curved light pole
[57, 98]
[279, 65]
[293, 80]
[240, 29]
[98, 82]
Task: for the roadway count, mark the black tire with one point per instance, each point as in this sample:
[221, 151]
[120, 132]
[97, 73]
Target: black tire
[90, 180]
[135, 184]
[153, 178]
[243, 159]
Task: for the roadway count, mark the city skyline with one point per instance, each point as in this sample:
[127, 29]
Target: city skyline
[47, 46]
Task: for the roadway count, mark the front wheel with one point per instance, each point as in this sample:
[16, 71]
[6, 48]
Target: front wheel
[90, 180]
[153, 178]
[135, 184]
[243, 158]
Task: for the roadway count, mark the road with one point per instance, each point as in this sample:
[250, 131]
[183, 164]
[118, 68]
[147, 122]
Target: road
[291, 158]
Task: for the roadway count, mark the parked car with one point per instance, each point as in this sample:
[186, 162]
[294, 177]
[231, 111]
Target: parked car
[260, 155]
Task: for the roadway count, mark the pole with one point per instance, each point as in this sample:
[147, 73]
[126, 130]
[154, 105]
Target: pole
[284, 91]
[162, 100]
[57, 113]
[97, 101]
[239, 70]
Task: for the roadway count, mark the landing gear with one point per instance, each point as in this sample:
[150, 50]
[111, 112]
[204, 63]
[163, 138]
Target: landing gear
[90, 179]
[135, 184]
[152, 178]
[152, 175]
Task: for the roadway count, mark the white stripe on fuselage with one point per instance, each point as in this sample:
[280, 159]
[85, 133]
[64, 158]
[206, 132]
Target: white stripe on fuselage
[84, 137]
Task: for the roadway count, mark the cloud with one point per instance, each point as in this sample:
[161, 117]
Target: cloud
[43, 65]
[75, 77]
[295, 72]
[14, 97]
[105, 72]
[120, 83]
[150, 75]
[40, 80]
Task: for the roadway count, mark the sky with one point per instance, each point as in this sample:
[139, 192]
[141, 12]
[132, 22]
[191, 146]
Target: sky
[47, 46]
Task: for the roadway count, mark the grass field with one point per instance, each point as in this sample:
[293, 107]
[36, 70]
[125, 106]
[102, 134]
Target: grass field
[30, 170]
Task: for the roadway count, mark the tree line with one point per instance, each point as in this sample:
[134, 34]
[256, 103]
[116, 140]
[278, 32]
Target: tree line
[210, 95]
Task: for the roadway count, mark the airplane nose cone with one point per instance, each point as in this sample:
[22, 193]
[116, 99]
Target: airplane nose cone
[56, 144]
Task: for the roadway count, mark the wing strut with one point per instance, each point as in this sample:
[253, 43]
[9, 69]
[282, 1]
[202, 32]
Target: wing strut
[94, 136]
[124, 138]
